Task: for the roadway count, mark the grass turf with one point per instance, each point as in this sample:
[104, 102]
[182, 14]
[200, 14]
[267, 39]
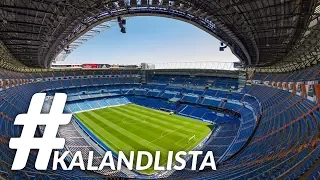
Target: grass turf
[135, 128]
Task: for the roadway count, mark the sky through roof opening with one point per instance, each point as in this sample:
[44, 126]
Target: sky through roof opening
[151, 40]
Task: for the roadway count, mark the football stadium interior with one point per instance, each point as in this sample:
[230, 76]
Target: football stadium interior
[262, 120]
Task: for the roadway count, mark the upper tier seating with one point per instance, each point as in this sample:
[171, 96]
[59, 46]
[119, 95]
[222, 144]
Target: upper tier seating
[218, 82]
[302, 75]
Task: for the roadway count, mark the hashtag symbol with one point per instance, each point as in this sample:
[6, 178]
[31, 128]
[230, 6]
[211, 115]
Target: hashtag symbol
[48, 141]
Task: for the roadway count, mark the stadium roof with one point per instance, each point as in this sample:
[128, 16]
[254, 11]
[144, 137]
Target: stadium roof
[261, 33]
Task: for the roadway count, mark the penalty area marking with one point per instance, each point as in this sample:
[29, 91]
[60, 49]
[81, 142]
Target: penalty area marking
[166, 134]
[166, 131]
[181, 140]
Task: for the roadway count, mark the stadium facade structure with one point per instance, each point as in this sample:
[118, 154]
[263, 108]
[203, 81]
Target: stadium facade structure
[270, 108]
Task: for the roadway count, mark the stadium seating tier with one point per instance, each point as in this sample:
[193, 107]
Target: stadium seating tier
[276, 135]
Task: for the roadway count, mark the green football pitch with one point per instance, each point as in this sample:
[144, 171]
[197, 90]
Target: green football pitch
[135, 128]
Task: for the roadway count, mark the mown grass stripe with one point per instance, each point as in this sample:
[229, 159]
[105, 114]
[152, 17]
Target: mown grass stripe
[167, 121]
[140, 144]
[117, 133]
[159, 125]
[144, 130]
[178, 119]
[113, 142]
[124, 128]
[126, 133]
